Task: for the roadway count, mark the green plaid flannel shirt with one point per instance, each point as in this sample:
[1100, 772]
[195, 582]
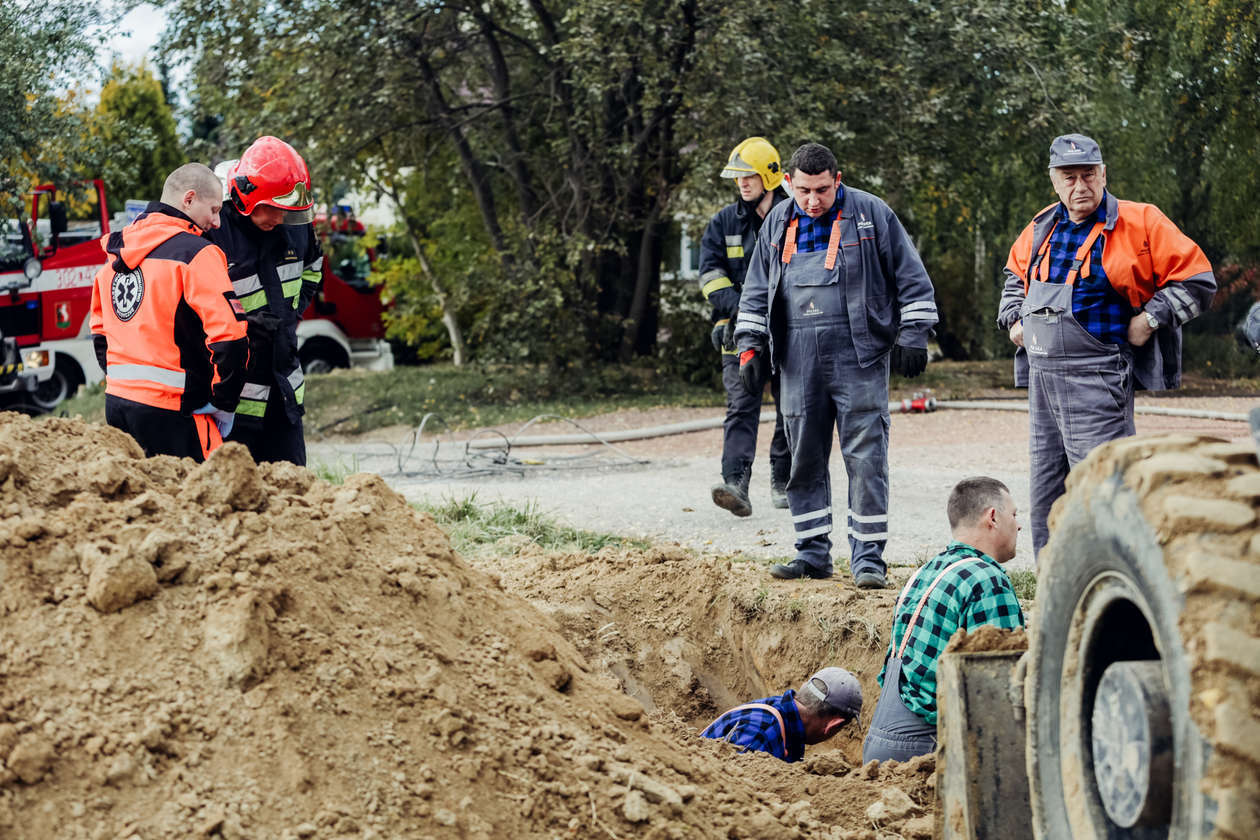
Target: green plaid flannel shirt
[972, 595]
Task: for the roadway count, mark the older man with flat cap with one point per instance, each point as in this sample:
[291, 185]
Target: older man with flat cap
[1097, 290]
[783, 725]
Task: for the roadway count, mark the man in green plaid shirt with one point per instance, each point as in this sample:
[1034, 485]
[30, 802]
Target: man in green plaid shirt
[964, 587]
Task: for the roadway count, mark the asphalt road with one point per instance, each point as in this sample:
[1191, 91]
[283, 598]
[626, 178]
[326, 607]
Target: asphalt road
[659, 489]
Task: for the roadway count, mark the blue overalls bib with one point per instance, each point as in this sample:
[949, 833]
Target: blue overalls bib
[823, 385]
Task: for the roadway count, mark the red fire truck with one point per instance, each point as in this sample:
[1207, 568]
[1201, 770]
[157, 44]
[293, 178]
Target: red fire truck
[47, 267]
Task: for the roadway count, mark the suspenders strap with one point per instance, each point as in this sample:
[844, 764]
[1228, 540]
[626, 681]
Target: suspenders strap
[906, 638]
[833, 242]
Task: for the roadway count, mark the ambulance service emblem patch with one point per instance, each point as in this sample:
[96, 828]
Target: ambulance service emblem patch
[126, 292]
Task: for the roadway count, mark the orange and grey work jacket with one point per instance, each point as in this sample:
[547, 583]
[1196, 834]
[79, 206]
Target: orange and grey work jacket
[1147, 260]
[167, 328]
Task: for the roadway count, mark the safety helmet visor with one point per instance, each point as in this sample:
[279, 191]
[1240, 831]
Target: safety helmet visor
[737, 167]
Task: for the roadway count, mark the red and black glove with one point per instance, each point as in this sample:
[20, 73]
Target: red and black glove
[754, 369]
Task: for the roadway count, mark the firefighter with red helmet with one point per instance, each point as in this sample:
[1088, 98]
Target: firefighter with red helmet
[275, 263]
[166, 326]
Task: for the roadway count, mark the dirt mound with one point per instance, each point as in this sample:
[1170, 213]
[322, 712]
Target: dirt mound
[690, 637]
[230, 650]
[987, 637]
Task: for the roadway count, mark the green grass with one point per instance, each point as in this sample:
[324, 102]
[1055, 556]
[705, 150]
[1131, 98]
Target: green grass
[352, 402]
[474, 527]
[1025, 583]
[335, 473]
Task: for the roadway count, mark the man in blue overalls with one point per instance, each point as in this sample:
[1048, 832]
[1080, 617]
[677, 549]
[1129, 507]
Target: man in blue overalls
[1097, 290]
[835, 293]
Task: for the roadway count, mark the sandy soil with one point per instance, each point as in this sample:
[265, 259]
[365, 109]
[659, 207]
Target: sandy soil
[236, 651]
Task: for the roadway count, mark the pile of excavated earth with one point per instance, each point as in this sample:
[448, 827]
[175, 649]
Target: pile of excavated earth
[240, 651]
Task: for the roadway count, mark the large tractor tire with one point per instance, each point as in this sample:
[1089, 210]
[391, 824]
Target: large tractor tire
[1143, 682]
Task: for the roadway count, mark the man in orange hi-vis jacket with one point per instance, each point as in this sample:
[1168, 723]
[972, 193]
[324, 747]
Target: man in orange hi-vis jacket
[1097, 290]
[166, 325]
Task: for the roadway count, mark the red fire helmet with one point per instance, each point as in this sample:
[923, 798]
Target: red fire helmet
[272, 172]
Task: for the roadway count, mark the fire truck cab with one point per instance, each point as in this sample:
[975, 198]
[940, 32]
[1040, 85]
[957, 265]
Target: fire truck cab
[46, 290]
[47, 268]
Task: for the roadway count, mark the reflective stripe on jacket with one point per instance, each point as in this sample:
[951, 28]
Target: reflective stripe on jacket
[888, 293]
[727, 245]
[165, 321]
[1148, 261]
[276, 272]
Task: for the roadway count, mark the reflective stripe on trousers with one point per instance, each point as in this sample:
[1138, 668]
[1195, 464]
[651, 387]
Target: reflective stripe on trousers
[1080, 395]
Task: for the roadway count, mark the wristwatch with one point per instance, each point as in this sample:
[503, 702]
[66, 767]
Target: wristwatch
[1152, 320]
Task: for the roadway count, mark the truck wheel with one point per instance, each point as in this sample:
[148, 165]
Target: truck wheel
[53, 390]
[1144, 669]
[322, 355]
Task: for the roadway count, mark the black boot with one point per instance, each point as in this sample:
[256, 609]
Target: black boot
[732, 493]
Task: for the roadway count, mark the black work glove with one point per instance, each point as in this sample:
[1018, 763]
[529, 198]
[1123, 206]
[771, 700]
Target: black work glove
[754, 369]
[725, 302]
[723, 335]
[718, 334]
[909, 361]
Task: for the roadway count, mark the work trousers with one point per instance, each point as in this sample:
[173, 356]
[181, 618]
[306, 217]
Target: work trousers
[896, 733]
[275, 438]
[824, 387]
[1080, 394]
[159, 431]
[739, 430]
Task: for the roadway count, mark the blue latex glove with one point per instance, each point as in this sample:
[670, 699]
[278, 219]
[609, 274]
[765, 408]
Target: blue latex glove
[222, 419]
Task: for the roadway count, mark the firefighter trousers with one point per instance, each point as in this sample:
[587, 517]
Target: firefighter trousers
[739, 430]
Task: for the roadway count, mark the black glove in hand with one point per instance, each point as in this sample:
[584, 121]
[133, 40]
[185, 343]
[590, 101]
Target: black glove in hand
[718, 335]
[909, 361]
[754, 368]
[724, 301]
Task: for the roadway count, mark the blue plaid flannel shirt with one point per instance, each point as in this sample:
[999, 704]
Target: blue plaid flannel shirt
[1096, 305]
[756, 729]
[972, 595]
[813, 234]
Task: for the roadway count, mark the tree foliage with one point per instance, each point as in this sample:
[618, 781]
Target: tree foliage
[136, 126]
[541, 150]
[43, 133]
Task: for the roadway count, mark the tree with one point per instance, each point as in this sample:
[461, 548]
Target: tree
[136, 126]
[43, 134]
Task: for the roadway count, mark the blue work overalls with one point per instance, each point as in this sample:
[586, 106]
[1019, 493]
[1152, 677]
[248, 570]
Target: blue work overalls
[823, 385]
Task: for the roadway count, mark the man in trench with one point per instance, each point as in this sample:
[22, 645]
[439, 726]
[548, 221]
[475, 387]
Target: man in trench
[782, 726]
[963, 587]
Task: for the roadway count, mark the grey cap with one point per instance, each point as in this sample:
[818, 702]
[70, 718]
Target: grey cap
[838, 689]
[1074, 150]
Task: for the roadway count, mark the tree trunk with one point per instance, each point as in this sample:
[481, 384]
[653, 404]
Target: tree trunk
[458, 348]
[645, 274]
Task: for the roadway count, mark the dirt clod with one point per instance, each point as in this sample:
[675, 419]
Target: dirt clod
[987, 637]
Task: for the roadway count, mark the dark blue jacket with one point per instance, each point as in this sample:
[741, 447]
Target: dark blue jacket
[275, 274]
[728, 243]
[887, 290]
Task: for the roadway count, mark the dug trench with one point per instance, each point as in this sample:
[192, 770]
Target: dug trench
[241, 651]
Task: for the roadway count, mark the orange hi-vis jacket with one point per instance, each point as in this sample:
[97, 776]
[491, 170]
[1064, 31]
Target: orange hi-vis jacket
[1147, 260]
[168, 329]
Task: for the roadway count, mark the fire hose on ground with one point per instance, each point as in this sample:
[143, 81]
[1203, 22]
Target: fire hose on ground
[918, 404]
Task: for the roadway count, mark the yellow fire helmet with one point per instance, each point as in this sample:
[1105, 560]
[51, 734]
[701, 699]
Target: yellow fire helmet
[755, 156]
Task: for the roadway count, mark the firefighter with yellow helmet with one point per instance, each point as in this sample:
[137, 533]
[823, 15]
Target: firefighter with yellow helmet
[725, 249]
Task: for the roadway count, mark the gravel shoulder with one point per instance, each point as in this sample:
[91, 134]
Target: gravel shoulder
[659, 489]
